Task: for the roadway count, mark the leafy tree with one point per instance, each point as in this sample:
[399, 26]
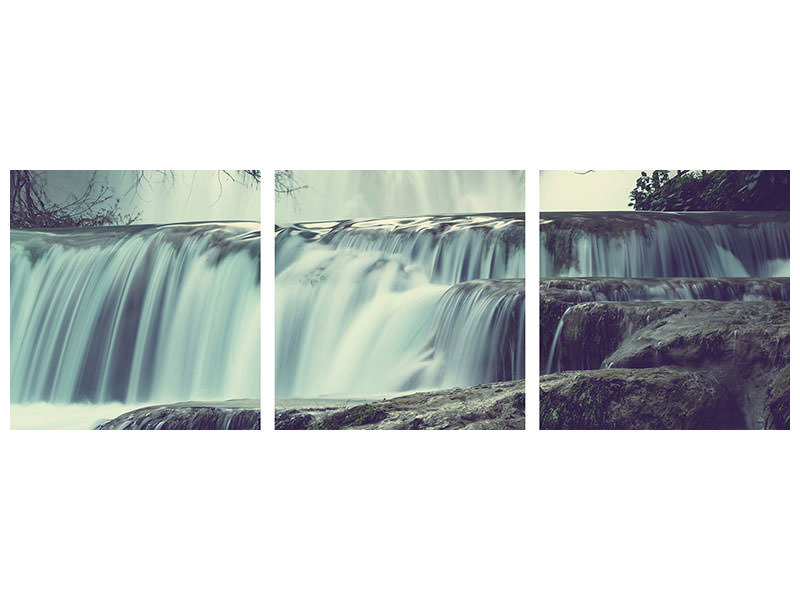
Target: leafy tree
[711, 190]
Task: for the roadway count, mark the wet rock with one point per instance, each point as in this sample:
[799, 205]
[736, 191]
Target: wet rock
[235, 414]
[744, 335]
[688, 333]
[656, 398]
[558, 295]
[489, 406]
[593, 330]
[622, 289]
[777, 409]
[742, 345]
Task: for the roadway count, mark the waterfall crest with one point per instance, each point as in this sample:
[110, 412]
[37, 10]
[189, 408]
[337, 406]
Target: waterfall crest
[648, 244]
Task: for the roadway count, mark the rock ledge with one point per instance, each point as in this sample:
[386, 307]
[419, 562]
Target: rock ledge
[498, 405]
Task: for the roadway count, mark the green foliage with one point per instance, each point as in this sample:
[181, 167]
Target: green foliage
[711, 190]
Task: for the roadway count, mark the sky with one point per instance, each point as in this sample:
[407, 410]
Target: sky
[167, 196]
[595, 190]
[333, 195]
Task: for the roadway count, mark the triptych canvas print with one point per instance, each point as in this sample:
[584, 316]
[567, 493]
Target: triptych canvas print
[399, 300]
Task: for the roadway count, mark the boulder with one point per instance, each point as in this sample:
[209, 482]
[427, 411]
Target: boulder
[742, 345]
[234, 414]
[556, 296]
[655, 398]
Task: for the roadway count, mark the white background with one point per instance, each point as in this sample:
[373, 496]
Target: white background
[414, 85]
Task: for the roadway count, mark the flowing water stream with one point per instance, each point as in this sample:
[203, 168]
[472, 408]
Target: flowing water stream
[371, 307]
[648, 244]
[106, 319]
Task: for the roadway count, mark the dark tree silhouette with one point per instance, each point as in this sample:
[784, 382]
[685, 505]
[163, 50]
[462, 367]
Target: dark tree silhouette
[286, 183]
[32, 209]
[97, 204]
[711, 190]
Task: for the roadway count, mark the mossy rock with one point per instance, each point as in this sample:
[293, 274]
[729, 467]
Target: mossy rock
[662, 398]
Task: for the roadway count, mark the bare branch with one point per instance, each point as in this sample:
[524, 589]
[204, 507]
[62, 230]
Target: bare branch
[285, 183]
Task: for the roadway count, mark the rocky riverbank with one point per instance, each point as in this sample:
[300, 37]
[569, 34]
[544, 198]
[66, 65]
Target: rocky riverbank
[498, 405]
[233, 414]
[664, 320]
[670, 364]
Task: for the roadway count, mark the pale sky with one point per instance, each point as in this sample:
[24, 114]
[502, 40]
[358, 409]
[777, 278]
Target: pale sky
[333, 195]
[596, 190]
[167, 196]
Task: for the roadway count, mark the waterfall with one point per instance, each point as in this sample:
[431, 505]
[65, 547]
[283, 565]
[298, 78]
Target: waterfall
[479, 334]
[376, 306]
[554, 345]
[648, 257]
[647, 244]
[137, 314]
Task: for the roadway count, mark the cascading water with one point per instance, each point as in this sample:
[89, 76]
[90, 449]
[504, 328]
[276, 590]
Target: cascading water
[370, 307]
[490, 313]
[135, 315]
[651, 257]
[648, 244]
